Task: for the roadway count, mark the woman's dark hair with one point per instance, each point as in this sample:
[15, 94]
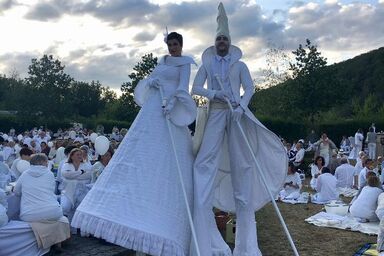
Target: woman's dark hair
[322, 160]
[110, 150]
[25, 152]
[177, 36]
[325, 170]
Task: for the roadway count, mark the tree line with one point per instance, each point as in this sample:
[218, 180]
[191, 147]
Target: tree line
[48, 93]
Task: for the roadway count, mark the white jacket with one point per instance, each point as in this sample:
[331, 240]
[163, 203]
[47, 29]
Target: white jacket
[38, 200]
[74, 180]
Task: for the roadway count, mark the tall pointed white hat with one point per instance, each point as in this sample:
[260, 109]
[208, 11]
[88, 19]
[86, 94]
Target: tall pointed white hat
[222, 23]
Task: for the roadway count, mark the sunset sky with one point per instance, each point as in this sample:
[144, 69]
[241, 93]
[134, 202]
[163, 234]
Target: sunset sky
[102, 40]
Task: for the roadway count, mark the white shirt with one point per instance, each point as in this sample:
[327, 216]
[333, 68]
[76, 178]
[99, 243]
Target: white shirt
[299, 155]
[366, 203]
[38, 200]
[326, 187]
[220, 66]
[295, 179]
[344, 175]
[359, 139]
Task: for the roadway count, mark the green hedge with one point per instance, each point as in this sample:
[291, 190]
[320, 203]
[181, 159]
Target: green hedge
[335, 129]
[10, 121]
[286, 129]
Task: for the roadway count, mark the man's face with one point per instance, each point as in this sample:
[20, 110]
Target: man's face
[222, 44]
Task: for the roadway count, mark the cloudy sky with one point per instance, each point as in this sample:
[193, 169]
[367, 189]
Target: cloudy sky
[102, 40]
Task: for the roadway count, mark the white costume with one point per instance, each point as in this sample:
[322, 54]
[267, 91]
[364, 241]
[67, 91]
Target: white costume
[237, 187]
[365, 205]
[326, 188]
[344, 175]
[38, 200]
[138, 202]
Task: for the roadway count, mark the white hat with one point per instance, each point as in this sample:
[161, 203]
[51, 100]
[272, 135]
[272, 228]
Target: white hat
[222, 23]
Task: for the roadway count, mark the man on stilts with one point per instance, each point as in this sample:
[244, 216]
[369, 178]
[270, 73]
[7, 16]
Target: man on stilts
[225, 174]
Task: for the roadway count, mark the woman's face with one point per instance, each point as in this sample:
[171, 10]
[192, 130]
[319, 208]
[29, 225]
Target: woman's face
[319, 161]
[77, 157]
[85, 154]
[174, 48]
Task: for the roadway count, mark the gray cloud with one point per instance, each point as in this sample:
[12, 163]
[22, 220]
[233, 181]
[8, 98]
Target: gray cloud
[18, 62]
[333, 27]
[50, 10]
[6, 4]
[111, 70]
[144, 36]
[336, 26]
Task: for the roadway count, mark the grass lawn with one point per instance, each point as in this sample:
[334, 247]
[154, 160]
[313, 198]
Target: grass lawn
[309, 239]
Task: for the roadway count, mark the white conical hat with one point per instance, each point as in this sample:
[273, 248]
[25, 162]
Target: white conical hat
[222, 23]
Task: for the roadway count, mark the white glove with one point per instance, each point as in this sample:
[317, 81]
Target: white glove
[237, 113]
[153, 83]
[221, 95]
[169, 106]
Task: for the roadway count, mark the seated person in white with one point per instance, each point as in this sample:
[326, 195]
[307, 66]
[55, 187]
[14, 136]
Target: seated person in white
[299, 157]
[316, 170]
[380, 214]
[369, 167]
[326, 187]
[365, 205]
[25, 154]
[344, 174]
[3, 208]
[101, 163]
[292, 184]
[36, 186]
[76, 174]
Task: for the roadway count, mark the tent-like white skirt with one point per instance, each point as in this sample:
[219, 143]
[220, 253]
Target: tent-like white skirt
[137, 201]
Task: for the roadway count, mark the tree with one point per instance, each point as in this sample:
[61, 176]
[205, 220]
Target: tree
[307, 61]
[86, 98]
[48, 89]
[127, 108]
[311, 89]
[277, 70]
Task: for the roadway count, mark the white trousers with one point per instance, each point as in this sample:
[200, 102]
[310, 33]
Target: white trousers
[205, 169]
[372, 150]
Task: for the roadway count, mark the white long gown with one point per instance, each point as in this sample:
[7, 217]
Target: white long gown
[137, 201]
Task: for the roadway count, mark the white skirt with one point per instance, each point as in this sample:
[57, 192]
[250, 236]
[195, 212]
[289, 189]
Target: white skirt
[137, 202]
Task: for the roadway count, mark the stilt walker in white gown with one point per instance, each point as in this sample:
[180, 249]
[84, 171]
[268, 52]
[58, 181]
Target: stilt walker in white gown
[225, 173]
[137, 202]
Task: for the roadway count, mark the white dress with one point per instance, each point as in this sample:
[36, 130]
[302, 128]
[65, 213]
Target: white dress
[137, 202]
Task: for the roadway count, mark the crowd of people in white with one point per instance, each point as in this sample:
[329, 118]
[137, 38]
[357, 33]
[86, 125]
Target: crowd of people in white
[354, 165]
[51, 173]
[43, 178]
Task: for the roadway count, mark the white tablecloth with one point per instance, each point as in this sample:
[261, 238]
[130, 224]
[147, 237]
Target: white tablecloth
[17, 239]
[13, 207]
